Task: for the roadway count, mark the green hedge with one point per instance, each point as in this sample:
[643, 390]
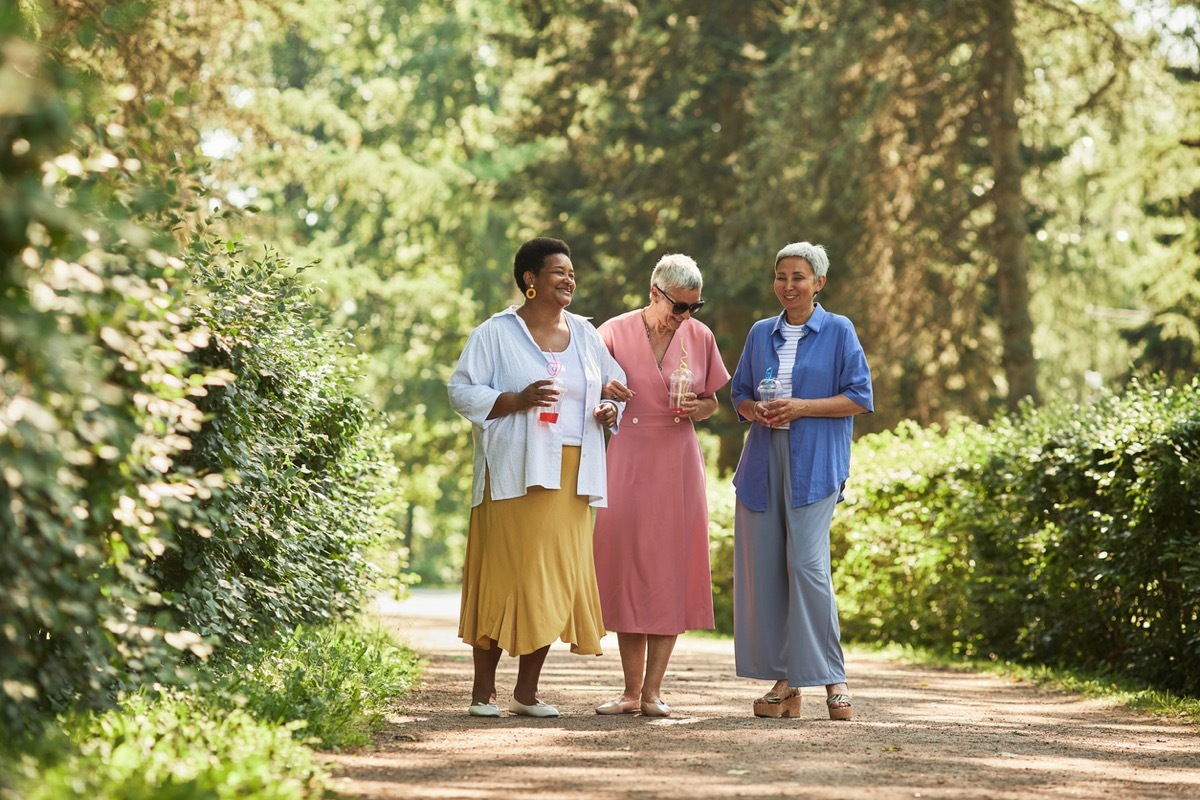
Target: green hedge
[171, 746]
[309, 471]
[94, 406]
[1087, 534]
[1067, 536]
[183, 460]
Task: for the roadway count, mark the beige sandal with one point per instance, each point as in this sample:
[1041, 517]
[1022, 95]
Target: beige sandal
[773, 705]
[843, 710]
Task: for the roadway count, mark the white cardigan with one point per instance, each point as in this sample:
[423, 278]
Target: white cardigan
[516, 451]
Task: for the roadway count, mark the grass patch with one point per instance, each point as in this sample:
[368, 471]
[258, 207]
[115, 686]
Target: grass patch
[174, 746]
[247, 733]
[337, 682]
[1115, 689]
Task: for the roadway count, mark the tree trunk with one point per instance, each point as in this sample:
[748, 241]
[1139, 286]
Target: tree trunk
[1010, 235]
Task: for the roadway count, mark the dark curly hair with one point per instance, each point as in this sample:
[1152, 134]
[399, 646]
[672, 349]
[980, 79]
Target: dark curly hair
[532, 255]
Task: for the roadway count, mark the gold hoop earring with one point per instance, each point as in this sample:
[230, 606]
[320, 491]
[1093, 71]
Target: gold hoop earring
[531, 292]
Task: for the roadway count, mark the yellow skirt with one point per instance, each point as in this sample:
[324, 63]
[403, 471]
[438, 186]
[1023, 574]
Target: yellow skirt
[529, 576]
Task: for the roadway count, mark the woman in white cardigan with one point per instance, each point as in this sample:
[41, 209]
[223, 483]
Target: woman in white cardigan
[530, 380]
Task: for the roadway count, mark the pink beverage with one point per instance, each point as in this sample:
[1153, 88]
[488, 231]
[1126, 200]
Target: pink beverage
[550, 415]
[681, 383]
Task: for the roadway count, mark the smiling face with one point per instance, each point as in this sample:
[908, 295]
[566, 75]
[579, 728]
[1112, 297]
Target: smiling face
[662, 304]
[796, 285]
[554, 282]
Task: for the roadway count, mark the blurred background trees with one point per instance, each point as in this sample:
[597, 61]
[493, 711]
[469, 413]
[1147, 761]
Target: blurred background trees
[1008, 189]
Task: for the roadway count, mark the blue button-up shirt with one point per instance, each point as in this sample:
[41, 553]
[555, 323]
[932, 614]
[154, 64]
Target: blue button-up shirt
[829, 361]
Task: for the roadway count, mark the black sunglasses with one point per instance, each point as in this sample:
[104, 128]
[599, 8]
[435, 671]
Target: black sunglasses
[679, 308]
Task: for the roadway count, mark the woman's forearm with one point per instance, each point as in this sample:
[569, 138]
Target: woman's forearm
[830, 407]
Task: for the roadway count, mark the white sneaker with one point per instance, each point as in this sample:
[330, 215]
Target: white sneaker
[538, 709]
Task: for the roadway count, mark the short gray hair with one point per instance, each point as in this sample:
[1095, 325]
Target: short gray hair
[814, 254]
[677, 271]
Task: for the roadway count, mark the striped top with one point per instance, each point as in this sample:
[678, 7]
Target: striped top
[792, 334]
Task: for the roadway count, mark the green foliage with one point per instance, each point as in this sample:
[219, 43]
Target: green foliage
[245, 730]
[172, 747]
[900, 555]
[182, 449]
[286, 540]
[1065, 536]
[95, 408]
[721, 506]
[340, 680]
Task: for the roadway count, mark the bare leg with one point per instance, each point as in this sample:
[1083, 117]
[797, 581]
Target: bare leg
[484, 688]
[780, 688]
[633, 663]
[529, 671]
[658, 653]
[837, 688]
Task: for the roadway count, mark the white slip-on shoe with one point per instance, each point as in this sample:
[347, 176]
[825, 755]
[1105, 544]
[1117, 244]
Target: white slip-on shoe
[538, 709]
[484, 710]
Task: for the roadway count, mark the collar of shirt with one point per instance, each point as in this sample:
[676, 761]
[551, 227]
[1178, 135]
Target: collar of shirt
[813, 324]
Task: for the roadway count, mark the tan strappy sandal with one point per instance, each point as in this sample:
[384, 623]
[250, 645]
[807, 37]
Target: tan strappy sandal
[774, 705]
[843, 708]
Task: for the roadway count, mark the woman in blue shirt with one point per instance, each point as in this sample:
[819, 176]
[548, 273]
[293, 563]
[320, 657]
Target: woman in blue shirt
[790, 476]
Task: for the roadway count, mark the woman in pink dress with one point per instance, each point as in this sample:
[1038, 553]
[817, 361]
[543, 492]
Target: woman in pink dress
[651, 542]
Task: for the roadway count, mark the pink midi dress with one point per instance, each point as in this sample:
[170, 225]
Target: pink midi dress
[651, 542]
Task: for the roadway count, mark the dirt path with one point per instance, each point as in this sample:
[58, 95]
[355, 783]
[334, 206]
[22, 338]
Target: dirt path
[917, 733]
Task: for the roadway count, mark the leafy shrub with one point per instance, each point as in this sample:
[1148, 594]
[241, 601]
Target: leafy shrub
[1088, 532]
[900, 557]
[1065, 536]
[309, 470]
[95, 407]
[341, 680]
[172, 747]
[133, 384]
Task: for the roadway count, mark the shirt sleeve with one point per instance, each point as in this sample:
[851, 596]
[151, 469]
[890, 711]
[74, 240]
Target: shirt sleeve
[470, 385]
[743, 386]
[610, 369]
[715, 373]
[856, 375]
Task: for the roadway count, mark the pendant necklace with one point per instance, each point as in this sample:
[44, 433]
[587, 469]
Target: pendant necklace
[650, 339]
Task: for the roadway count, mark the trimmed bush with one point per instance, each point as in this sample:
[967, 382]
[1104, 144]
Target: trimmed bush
[183, 461]
[95, 407]
[1087, 537]
[172, 747]
[900, 557]
[308, 470]
[1066, 536]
